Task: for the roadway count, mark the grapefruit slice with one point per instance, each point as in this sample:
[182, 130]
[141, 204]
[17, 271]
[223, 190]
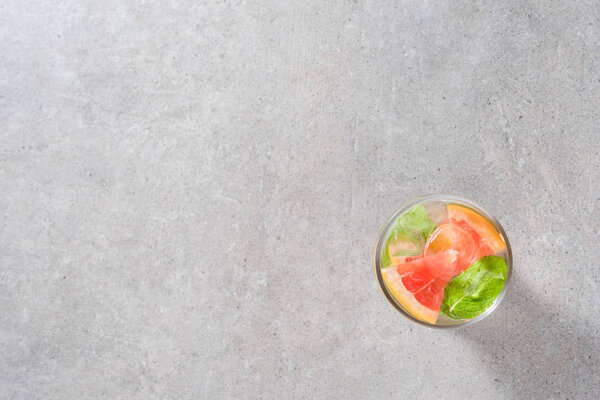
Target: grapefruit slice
[419, 284]
[450, 236]
[484, 228]
[393, 281]
[459, 236]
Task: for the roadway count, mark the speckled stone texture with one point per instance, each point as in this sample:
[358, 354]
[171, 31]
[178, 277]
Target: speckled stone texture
[190, 193]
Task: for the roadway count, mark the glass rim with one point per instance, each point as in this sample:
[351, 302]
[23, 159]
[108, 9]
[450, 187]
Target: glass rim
[459, 200]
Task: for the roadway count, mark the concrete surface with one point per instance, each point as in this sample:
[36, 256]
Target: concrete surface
[191, 192]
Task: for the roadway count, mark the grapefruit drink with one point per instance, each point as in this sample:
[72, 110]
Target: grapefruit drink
[443, 261]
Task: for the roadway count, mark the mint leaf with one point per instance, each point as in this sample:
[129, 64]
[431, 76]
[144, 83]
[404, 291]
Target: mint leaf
[413, 228]
[470, 293]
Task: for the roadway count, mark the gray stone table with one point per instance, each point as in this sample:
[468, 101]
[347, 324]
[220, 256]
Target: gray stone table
[190, 193]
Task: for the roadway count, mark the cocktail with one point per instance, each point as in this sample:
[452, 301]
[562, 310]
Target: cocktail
[443, 261]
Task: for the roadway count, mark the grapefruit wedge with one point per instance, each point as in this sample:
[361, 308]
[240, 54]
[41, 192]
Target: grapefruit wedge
[452, 237]
[484, 228]
[419, 284]
[459, 236]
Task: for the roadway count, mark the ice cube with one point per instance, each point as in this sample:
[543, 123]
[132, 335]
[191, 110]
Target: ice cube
[437, 211]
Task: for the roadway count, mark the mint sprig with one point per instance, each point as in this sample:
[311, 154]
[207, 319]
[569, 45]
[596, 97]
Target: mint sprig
[414, 226]
[474, 290]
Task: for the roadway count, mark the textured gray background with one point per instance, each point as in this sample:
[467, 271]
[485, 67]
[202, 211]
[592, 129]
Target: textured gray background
[191, 192]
